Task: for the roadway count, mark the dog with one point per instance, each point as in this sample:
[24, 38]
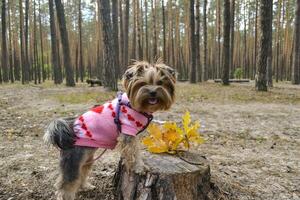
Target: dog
[148, 88]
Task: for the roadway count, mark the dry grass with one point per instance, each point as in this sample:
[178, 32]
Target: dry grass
[236, 93]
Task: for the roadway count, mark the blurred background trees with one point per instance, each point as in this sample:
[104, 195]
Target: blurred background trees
[57, 40]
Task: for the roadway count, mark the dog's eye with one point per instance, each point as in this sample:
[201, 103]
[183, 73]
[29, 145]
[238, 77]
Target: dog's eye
[159, 82]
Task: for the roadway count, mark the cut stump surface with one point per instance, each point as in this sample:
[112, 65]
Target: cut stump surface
[164, 177]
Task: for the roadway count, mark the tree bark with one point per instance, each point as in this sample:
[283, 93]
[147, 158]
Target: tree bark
[110, 77]
[116, 35]
[22, 46]
[197, 38]
[4, 62]
[265, 23]
[42, 44]
[296, 58]
[65, 43]
[164, 30]
[205, 68]
[167, 177]
[126, 30]
[232, 21]
[10, 45]
[80, 57]
[226, 43]
[54, 45]
[193, 47]
[270, 56]
[28, 70]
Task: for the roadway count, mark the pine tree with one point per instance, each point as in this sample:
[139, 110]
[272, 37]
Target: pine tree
[265, 23]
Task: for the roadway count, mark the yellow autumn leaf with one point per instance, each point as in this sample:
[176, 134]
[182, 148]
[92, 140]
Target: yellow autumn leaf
[170, 137]
[186, 120]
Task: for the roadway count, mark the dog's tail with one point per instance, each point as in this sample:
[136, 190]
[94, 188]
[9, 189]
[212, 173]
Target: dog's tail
[60, 134]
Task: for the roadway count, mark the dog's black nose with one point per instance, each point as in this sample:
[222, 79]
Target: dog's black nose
[152, 93]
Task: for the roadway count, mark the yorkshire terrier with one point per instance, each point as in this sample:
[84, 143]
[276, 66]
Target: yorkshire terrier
[149, 88]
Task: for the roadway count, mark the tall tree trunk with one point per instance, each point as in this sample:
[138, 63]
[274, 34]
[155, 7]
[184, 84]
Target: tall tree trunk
[110, 77]
[164, 29]
[277, 42]
[146, 31]
[133, 44]
[205, 68]
[10, 48]
[35, 63]
[226, 43]
[121, 42]
[197, 38]
[296, 59]
[126, 30]
[28, 69]
[65, 43]
[25, 73]
[232, 21]
[265, 23]
[139, 22]
[193, 47]
[116, 35]
[154, 36]
[219, 38]
[42, 43]
[54, 46]
[80, 57]
[255, 36]
[4, 62]
[270, 56]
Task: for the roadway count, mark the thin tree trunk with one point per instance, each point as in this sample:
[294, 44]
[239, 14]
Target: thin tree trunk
[205, 68]
[10, 48]
[193, 47]
[35, 51]
[22, 45]
[116, 35]
[296, 59]
[270, 56]
[154, 39]
[28, 69]
[80, 57]
[139, 31]
[121, 42]
[265, 23]
[219, 38]
[126, 30]
[232, 21]
[197, 41]
[42, 43]
[4, 56]
[164, 29]
[133, 44]
[226, 43]
[255, 37]
[65, 43]
[146, 31]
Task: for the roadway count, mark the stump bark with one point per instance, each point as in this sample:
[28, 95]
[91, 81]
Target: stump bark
[165, 177]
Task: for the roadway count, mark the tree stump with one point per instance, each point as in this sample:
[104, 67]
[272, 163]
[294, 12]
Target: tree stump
[165, 177]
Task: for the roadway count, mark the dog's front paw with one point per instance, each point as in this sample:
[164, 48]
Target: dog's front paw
[87, 186]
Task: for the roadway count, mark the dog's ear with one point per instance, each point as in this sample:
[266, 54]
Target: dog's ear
[129, 73]
[168, 70]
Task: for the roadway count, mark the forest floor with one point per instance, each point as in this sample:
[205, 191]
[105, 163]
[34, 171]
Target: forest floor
[253, 140]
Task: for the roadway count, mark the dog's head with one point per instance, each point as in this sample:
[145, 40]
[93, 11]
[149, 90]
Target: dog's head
[150, 87]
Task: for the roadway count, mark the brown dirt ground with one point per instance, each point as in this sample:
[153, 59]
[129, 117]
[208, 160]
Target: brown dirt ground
[253, 140]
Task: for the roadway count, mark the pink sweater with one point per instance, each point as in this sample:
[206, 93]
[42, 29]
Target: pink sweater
[96, 128]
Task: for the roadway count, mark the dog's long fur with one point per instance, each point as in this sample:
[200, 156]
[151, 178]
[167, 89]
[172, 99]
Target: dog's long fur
[141, 81]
